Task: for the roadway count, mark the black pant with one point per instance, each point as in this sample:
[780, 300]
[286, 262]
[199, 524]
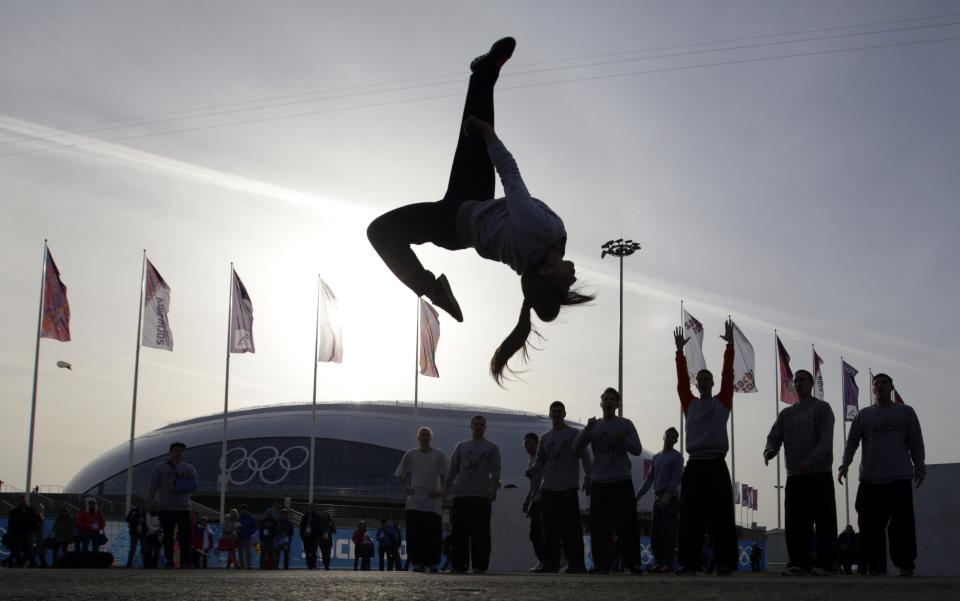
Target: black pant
[180, 520]
[471, 527]
[325, 547]
[809, 502]
[388, 551]
[613, 508]
[310, 551]
[560, 516]
[706, 505]
[663, 538]
[472, 177]
[535, 513]
[887, 507]
[424, 538]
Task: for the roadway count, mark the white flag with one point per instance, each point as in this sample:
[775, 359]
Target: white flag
[156, 303]
[744, 367]
[736, 493]
[331, 332]
[693, 351]
[817, 375]
[429, 337]
[241, 319]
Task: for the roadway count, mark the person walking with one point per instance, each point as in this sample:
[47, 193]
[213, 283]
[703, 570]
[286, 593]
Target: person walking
[426, 468]
[893, 455]
[171, 483]
[248, 529]
[805, 429]
[137, 526]
[475, 470]
[664, 477]
[613, 504]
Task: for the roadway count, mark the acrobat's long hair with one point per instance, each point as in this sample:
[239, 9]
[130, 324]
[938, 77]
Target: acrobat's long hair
[546, 299]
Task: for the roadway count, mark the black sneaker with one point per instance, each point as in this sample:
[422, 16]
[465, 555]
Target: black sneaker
[494, 59]
[443, 297]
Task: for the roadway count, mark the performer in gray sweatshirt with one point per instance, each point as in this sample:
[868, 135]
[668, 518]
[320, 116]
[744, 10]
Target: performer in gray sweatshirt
[169, 490]
[806, 432]
[893, 455]
[558, 461]
[706, 500]
[613, 506]
[664, 476]
[475, 470]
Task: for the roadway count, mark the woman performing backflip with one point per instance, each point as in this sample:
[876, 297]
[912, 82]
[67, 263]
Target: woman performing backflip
[518, 230]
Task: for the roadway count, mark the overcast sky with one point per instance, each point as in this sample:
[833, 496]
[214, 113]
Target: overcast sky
[791, 164]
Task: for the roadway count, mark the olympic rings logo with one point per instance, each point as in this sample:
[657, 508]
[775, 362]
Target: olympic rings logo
[262, 459]
[745, 552]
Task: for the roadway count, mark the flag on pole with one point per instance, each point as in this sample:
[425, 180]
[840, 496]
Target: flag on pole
[743, 363]
[647, 464]
[331, 332]
[736, 493]
[693, 351]
[56, 309]
[241, 319]
[851, 392]
[897, 399]
[788, 394]
[817, 375]
[754, 499]
[429, 337]
[156, 303]
[873, 394]
[744, 494]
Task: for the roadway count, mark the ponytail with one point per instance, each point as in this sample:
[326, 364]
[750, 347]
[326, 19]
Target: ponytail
[540, 295]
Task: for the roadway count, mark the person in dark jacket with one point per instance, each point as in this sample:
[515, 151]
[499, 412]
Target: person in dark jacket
[307, 538]
[326, 530]
[284, 538]
[357, 539]
[267, 532]
[137, 524]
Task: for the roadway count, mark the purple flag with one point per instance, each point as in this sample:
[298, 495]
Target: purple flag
[241, 319]
[745, 495]
[754, 499]
[851, 392]
[56, 309]
[788, 394]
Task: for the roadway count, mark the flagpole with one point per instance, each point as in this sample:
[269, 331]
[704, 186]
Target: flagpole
[136, 380]
[776, 366]
[843, 412]
[416, 373]
[733, 448]
[36, 367]
[313, 411]
[226, 396]
[681, 404]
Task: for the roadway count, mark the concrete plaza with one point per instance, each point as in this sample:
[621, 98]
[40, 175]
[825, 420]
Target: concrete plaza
[177, 585]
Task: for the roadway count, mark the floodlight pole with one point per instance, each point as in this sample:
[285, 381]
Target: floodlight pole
[620, 248]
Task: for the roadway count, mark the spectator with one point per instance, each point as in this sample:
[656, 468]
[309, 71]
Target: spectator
[357, 539]
[63, 529]
[307, 530]
[137, 526]
[202, 543]
[268, 534]
[248, 528]
[386, 545]
[153, 540]
[326, 531]
[756, 556]
[38, 552]
[366, 552]
[284, 537]
[171, 483]
[399, 545]
[20, 525]
[90, 523]
[229, 535]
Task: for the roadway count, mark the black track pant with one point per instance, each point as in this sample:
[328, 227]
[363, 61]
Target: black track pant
[706, 506]
[810, 503]
[887, 509]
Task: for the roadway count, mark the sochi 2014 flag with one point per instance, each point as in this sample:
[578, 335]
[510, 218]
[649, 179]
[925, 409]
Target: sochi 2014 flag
[241, 319]
[754, 499]
[744, 494]
[56, 310]
[330, 345]
[817, 375]
[429, 337]
[693, 351]
[743, 363]
[788, 394]
[851, 392]
[156, 303]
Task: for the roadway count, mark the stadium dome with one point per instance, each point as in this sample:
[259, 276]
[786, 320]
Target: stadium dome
[358, 445]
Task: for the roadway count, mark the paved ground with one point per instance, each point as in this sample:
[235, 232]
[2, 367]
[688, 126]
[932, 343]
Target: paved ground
[186, 585]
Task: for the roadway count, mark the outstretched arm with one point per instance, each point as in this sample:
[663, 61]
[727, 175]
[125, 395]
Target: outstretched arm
[683, 378]
[726, 376]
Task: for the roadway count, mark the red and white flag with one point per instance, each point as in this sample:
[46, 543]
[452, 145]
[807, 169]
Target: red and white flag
[429, 337]
[693, 350]
[817, 375]
[897, 399]
[330, 347]
[156, 303]
[743, 363]
[56, 310]
[241, 319]
[788, 394]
